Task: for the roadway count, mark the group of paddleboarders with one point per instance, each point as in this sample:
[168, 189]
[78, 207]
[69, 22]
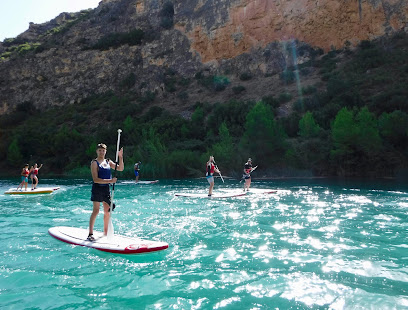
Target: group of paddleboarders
[32, 173]
[212, 168]
[102, 177]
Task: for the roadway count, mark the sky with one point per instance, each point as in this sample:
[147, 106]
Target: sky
[15, 15]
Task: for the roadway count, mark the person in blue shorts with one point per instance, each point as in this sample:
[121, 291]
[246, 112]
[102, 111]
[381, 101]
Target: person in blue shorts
[137, 169]
[209, 174]
[102, 177]
[24, 177]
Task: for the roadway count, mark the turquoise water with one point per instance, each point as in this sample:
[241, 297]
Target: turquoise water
[312, 245]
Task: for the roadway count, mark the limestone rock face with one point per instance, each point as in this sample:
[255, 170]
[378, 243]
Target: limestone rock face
[216, 36]
[226, 29]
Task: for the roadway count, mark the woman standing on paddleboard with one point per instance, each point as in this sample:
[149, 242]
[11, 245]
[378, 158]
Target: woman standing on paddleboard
[102, 177]
[34, 178]
[247, 174]
[24, 177]
[137, 169]
[209, 174]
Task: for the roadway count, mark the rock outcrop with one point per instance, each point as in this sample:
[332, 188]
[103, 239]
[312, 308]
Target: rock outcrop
[60, 64]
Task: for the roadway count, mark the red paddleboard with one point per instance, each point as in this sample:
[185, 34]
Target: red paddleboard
[116, 244]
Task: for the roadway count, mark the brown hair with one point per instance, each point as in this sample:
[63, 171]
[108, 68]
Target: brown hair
[101, 146]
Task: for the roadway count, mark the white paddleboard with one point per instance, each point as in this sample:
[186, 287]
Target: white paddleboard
[214, 195]
[140, 182]
[116, 244]
[147, 182]
[41, 190]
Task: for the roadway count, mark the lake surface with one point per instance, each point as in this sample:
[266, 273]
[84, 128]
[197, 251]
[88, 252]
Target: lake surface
[314, 244]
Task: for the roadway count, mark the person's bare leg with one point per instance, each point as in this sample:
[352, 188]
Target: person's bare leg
[247, 184]
[106, 217]
[211, 188]
[94, 214]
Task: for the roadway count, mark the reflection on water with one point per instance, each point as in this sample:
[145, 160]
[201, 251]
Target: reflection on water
[309, 245]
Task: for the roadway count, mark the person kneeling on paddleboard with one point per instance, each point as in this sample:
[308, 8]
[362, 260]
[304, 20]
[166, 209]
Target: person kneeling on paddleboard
[102, 177]
[209, 174]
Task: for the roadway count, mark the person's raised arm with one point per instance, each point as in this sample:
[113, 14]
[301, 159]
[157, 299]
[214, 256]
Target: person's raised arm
[121, 164]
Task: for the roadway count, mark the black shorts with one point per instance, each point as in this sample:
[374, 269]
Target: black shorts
[101, 192]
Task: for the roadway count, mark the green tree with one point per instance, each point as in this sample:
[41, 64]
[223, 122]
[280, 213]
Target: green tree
[308, 127]
[153, 154]
[356, 142]
[69, 148]
[394, 128]
[14, 155]
[369, 140]
[344, 135]
[197, 123]
[224, 150]
[128, 124]
[264, 138]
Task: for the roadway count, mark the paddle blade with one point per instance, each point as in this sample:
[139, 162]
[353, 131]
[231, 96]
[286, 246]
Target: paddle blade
[110, 229]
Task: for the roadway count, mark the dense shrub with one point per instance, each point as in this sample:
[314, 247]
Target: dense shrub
[245, 76]
[166, 15]
[129, 81]
[238, 89]
[114, 40]
[287, 76]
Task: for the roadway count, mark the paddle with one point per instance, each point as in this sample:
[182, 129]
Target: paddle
[252, 169]
[110, 225]
[219, 172]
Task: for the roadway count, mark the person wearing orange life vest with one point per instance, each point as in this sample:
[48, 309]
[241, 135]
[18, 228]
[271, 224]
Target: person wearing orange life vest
[24, 177]
[209, 174]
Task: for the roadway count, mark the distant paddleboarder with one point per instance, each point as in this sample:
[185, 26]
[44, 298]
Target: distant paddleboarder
[24, 177]
[247, 174]
[137, 169]
[34, 178]
[102, 177]
[211, 168]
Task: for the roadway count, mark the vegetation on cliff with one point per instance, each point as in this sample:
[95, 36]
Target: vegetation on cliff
[356, 126]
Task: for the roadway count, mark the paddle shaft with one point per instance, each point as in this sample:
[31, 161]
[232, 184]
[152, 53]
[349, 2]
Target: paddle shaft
[110, 226]
[252, 169]
[116, 166]
[219, 172]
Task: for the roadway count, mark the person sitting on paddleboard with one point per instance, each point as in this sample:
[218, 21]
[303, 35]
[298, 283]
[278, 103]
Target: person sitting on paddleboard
[209, 174]
[247, 174]
[102, 177]
[137, 168]
[34, 178]
[24, 177]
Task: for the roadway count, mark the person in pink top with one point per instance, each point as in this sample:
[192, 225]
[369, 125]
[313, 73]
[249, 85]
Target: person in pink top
[34, 178]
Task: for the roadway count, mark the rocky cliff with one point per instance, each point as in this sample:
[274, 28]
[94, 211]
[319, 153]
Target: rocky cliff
[139, 47]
